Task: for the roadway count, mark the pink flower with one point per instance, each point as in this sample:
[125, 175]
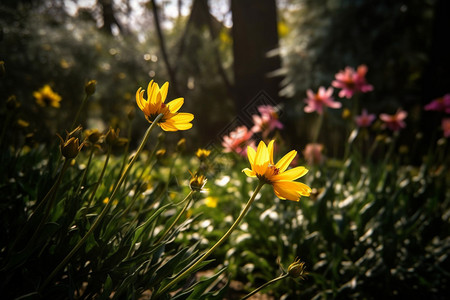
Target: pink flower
[316, 102]
[238, 140]
[267, 122]
[351, 82]
[365, 119]
[446, 127]
[395, 122]
[313, 154]
[440, 104]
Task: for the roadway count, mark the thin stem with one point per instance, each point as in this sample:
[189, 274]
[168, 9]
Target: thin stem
[100, 178]
[72, 127]
[264, 285]
[178, 216]
[85, 171]
[217, 244]
[105, 209]
[318, 127]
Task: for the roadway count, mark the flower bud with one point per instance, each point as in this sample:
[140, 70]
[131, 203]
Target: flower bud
[71, 147]
[92, 135]
[181, 145]
[297, 269]
[160, 154]
[112, 136]
[89, 88]
[197, 182]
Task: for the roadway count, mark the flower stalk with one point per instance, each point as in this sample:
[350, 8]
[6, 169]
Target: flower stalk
[105, 209]
[188, 200]
[216, 245]
[265, 285]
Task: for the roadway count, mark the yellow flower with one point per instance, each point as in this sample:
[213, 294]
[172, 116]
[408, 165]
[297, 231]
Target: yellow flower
[276, 175]
[202, 154]
[154, 105]
[211, 201]
[47, 97]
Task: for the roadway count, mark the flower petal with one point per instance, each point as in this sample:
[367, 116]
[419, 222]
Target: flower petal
[270, 150]
[182, 118]
[291, 190]
[175, 104]
[249, 173]
[251, 153]
[164, 89]
[261, 159]
[284, 162]
[291, 174]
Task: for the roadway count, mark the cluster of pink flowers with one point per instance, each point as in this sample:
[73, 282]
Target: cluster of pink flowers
[265, 123]
[349, 81]
[442, 104]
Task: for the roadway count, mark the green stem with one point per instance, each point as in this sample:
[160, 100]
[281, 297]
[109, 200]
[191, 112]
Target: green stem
[83, 178]
[72, 127]
[100, 178]
[178, 216]
[217, 244]
[105, 209]
[318, 127]
[265, 284]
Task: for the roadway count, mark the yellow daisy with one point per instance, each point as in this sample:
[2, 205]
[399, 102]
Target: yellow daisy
[276, 175]
[154, 105]
[47, 97]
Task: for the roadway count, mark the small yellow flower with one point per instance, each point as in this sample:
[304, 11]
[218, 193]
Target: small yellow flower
[211, 201]
[202, 154]
[276, 175]
[47, 97]
[154, 105]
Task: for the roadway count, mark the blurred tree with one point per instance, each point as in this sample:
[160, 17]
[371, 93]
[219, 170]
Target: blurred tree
[109, 19]
[254, 34]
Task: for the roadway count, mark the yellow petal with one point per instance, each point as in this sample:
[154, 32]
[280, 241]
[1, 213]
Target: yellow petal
[251, 155]
[291, 187]
[261, 159]
[270, 149]
[166, 126]
[164, 89]
[291, 174]
[175, 104]
[149, 88]
[182, 118]
[284, 193]
[249, 173]
[283, 163]
[152, 92]
[139, 98]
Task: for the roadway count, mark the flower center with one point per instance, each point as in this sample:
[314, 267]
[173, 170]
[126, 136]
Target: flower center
[271, 171]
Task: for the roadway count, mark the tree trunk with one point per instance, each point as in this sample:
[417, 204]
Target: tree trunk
[255, 32]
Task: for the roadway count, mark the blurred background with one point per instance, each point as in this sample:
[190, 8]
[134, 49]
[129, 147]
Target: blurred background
[220, 56]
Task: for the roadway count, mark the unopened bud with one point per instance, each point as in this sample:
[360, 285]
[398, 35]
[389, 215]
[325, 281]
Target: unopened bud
[197, 182]
[297, 269]
[89, 88]
[181, 145]
[71, 147]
